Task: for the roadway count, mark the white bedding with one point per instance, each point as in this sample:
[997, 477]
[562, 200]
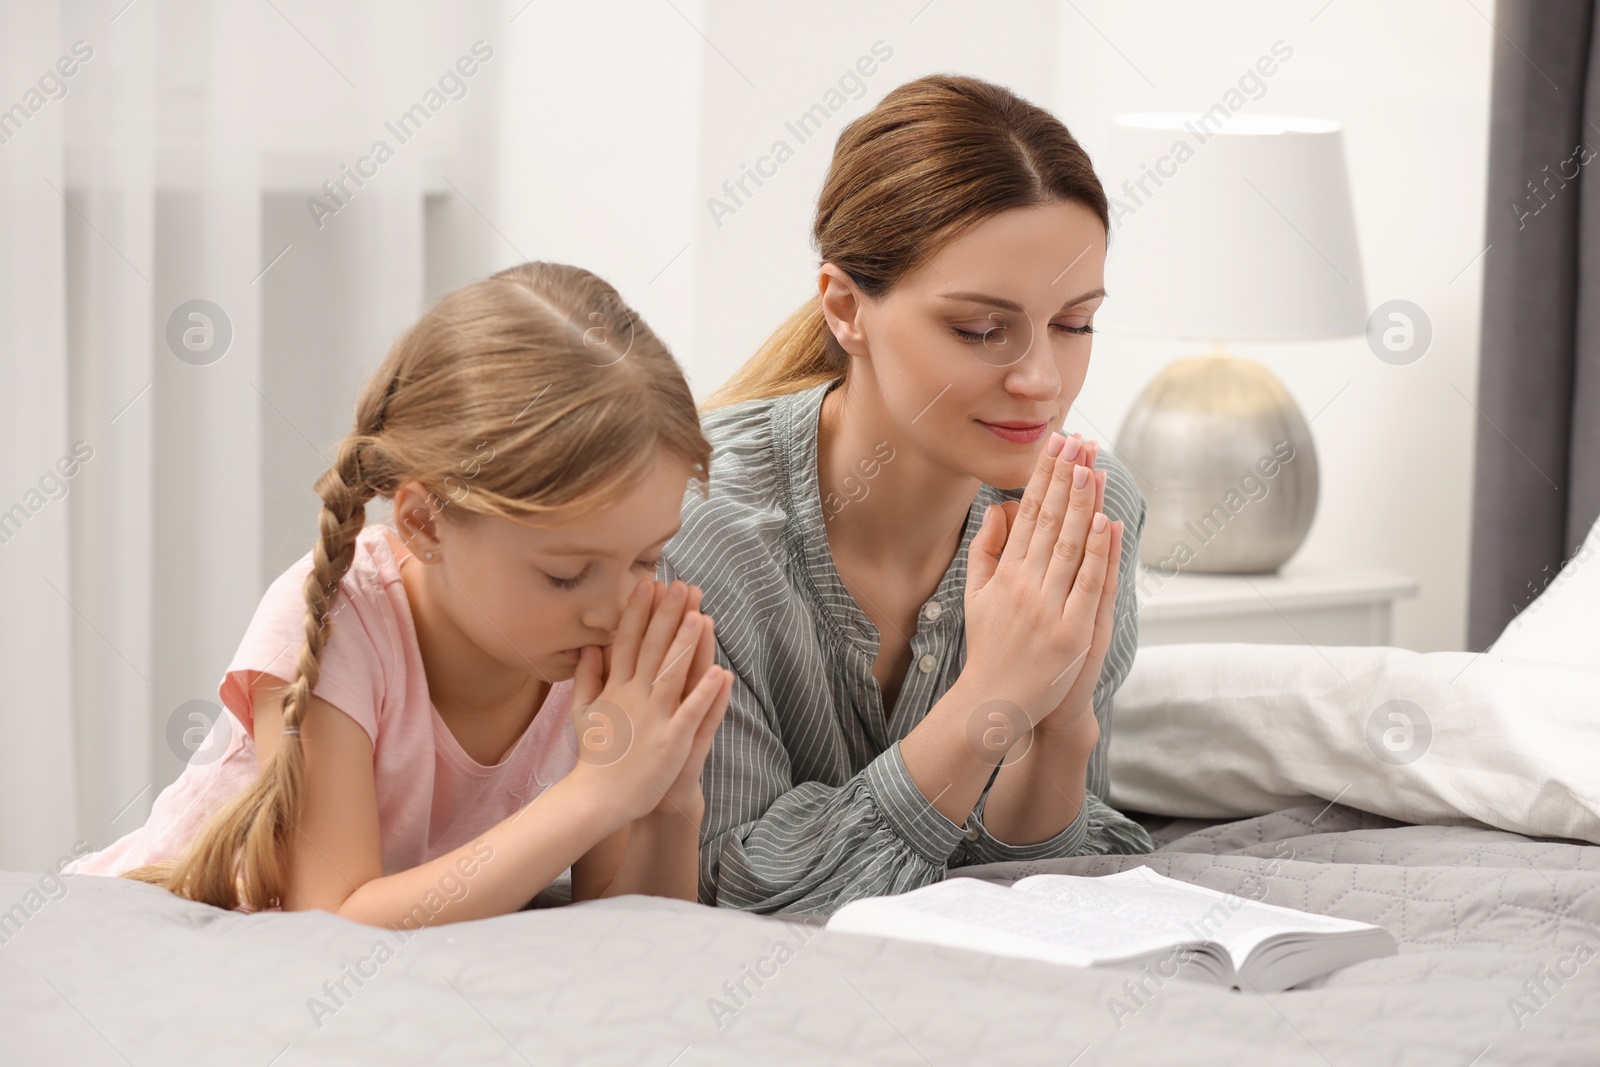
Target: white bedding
[1509, 738]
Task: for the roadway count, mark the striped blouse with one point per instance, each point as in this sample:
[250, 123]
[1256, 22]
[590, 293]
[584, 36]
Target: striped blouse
[808, 803]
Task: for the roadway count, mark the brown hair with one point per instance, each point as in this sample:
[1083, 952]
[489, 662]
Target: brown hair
[575, 395]
[936, 156]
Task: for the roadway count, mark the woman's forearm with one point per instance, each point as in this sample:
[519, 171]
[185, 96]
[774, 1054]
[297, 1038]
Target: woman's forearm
[1040, 794]
[663, 856]
[949, 753]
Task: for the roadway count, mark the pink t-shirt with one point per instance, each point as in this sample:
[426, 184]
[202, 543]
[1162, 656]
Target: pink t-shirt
[432, 796]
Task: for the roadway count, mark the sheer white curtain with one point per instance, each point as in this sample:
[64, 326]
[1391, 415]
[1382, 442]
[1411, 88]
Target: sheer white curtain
[36, 756]
[174, 165]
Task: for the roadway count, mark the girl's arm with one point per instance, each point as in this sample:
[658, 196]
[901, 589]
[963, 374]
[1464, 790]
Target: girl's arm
[660, 853]
[335, 857]
[663, 857]
[657, 855]
[593, 871]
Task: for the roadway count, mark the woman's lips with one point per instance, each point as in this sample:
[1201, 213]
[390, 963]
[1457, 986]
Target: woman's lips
[1021, 433]
[574, 654]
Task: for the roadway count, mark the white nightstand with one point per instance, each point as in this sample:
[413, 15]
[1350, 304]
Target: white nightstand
[1291, 607]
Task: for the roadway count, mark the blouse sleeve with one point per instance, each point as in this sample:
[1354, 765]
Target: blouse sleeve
[770, 845]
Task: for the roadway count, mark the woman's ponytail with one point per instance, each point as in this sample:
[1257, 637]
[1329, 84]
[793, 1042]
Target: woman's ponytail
[802, 352]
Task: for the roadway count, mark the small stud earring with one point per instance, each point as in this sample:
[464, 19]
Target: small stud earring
[427, 555]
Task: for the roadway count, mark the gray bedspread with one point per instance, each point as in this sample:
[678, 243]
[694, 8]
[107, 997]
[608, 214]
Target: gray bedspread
[1499, 963]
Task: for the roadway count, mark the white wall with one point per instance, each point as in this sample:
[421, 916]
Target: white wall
[1411, 85]
[759, 264]
[1410, 82]
[598, 140]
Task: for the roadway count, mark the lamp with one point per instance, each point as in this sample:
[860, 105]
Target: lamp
[1239, 230]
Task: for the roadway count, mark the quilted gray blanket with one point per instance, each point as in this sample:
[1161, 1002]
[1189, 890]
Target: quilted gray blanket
[1499, 963]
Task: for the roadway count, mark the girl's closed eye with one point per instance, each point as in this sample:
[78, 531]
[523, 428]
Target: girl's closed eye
[648, 565]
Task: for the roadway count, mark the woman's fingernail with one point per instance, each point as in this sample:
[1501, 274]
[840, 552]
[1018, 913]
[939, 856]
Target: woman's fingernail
[1052, 447]
[1099, 523]
[1071, 448]
[1080, 476]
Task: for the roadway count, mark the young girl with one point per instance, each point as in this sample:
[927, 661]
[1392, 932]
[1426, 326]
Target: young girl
[431, 722]
[925, 653]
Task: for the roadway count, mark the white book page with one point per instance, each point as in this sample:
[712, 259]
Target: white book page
[1182, 911]
[968, 913]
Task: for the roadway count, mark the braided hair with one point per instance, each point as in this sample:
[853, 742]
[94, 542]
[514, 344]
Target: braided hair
[576, 395]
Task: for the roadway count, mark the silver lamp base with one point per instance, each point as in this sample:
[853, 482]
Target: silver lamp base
[1225, 461]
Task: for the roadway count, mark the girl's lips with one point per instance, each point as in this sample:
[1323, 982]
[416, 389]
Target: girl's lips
[574, 654]
[1016, 433]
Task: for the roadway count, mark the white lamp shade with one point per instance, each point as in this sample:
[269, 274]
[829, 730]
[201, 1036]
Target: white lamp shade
[1241, 230]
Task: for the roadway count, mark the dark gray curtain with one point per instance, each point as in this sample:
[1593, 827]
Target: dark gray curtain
[1537, 488]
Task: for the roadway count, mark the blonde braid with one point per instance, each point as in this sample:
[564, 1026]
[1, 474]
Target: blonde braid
[507, 360]
[240, 859]
[344, 496]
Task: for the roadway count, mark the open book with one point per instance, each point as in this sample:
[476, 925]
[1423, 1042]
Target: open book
[1134, 919]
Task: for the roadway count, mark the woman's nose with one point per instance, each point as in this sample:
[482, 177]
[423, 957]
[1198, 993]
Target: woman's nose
[1035, 375]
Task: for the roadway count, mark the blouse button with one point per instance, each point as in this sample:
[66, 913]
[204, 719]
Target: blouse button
[932, 610]
[927, 663]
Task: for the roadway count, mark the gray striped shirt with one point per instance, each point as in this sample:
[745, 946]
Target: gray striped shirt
[808, 803]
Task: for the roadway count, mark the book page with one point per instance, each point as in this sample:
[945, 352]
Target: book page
[1184, 912]
[969, 913]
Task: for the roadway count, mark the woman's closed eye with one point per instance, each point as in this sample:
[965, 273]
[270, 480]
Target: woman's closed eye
[994, 333]
[577, 579]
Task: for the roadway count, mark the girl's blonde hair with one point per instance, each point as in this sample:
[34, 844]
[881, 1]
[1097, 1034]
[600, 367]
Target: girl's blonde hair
[936, 156]
[574, 395]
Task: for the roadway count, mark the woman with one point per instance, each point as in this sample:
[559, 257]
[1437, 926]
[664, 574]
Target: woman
[896, 712]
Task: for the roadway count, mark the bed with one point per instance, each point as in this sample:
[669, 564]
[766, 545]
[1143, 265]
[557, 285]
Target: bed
[1449, 797]
[1489, 972]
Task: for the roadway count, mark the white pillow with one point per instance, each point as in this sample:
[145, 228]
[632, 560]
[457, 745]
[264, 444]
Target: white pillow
[1233, 730]
[1507, 738]
[1563, 623]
